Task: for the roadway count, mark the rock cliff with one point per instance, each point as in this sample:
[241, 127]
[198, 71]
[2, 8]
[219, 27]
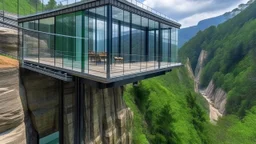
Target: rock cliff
[106, 118]
[8, 40]
[199, 68]
[217, 96]
[12, 127]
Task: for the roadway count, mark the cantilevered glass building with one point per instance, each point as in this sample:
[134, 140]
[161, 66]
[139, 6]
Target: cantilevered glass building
[100, 40]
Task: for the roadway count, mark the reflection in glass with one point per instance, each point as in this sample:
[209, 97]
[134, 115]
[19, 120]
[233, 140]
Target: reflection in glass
[46, 43]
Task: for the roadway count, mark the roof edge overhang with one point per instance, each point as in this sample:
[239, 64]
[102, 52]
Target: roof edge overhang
[122, 4]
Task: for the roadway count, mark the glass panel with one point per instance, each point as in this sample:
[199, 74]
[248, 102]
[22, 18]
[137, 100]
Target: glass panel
[165, 45]
[30, 43]
[126, 39]
[46, 43]
[50, 139]
[174, 45]
[59, 42]
[68, 42]
[86, 43]
[157, 58]
[77, 61]
[96, 32]
[144, 48]
[136, 41]
[151, 41]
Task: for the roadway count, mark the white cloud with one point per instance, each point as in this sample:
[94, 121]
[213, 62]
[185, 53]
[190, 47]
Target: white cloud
[190, 12]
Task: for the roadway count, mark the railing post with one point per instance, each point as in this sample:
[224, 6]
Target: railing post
[109, 38]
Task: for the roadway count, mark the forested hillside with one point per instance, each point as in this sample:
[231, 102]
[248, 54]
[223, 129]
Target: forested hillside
[166, 110]
[231, 64]
[186, 34]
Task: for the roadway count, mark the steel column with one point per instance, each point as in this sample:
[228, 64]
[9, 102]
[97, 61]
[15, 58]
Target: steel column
[109, 39]
[79, 110]
[61, 113]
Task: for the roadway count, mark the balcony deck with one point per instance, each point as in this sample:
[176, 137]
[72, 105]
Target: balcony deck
[100, 69]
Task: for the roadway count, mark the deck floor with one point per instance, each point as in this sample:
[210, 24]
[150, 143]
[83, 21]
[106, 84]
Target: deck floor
[100, 69]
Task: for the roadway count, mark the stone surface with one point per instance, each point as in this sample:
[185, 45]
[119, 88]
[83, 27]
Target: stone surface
[199, 68]
[217, 96]
[107, 117]
[12, 128]
[8, 40]
[42, 98]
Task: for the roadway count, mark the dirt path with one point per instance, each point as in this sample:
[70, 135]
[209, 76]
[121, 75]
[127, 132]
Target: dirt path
[214, 113]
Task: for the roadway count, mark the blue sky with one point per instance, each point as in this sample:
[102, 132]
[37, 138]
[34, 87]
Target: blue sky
[189, 12]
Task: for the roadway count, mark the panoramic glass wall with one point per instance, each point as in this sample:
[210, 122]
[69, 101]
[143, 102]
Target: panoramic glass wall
[78, 41]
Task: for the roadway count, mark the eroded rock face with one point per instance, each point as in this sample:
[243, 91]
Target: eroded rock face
[217, 96]
[199, 68]
[108, 120]
[12, 127]
[8, 40]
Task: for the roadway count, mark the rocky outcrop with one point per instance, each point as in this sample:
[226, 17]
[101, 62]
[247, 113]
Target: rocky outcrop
[12, 127]
[198, 70]
[199, 66]
[190, 71]
[217, 96]
[8, 40]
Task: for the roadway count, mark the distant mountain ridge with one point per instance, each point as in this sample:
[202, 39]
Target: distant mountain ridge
[186, 34]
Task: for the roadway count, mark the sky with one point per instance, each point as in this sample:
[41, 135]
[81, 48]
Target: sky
[190, 12]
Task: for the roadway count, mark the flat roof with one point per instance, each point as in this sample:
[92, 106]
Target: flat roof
[122, 4]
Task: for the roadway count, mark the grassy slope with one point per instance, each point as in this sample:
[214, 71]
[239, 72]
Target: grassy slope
[168, 89]
[11, 6]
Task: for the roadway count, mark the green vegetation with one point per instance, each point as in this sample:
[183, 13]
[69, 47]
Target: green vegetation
[231, 59]
[231, 64]
[166, 110]
[26, 6]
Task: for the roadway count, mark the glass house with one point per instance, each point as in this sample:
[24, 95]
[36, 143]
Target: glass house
[101, 40]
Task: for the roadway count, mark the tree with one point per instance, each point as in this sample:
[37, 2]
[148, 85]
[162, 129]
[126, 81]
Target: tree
[51, 5]
[164, 130]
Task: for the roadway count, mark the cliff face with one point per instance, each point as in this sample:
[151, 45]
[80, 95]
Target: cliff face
[217, 96]
[199, 68]
[106, 118]
[12, 127]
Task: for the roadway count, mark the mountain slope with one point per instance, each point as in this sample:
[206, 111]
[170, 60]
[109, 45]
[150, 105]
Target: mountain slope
[231, 65]
[167, 110]
[186, 34]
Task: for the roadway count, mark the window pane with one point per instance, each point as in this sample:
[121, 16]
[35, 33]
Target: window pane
[30, 43]
[46, 44]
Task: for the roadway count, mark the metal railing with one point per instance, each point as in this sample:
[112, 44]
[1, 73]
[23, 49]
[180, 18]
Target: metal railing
[42, 6]
[8, 18]
[141, 5]
[96, 65]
